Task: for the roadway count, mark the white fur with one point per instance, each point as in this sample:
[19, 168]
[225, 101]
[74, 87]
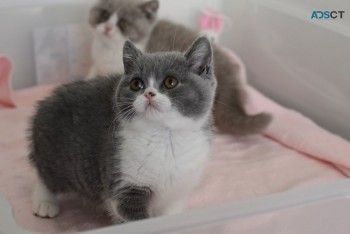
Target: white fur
[107, 49]
[44, 203]
[169, 161]
[151, 81]
[163, 150]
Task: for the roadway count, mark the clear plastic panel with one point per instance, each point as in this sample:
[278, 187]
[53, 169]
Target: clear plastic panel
[323, 209]
[300, 62]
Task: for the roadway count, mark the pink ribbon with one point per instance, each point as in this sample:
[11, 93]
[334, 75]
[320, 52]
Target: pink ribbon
[212, 20]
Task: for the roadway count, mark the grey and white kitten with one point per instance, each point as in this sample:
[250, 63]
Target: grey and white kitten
[136, 143]
[160, 35]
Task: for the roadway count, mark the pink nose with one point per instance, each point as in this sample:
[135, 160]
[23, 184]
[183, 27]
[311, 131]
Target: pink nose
[150, 95]
[108, 28]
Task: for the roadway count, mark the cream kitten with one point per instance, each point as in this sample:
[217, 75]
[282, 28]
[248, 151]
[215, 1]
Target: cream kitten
[110, 22]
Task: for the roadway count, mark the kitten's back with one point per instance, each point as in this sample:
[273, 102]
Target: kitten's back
[168, 36]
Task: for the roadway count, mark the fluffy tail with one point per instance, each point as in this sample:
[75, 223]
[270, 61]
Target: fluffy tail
[242, 124]
[230, 114]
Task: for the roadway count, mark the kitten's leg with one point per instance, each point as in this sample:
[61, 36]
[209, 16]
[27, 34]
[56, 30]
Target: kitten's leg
[44, 202]
[131, 203]
[111, 206]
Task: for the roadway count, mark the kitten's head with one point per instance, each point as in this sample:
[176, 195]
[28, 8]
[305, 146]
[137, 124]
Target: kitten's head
[128, 19]
[174, 89]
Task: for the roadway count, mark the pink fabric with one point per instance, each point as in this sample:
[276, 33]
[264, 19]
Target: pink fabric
[295, 131]
[211, 20]
[294, 152]
[5, 83]
[240, 168]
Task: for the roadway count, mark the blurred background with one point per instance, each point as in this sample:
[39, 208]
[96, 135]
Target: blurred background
[300, 62]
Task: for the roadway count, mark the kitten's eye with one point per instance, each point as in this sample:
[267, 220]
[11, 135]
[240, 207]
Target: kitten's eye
[137, 84]
[170, 82]
[104, 15]
[122, 24]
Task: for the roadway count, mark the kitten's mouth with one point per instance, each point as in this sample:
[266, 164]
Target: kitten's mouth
[151, 106]
[108, 34]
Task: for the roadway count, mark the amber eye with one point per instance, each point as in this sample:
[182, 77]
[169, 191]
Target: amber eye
[137, 84]
[122, 24]
[104, 15]
[170, 82]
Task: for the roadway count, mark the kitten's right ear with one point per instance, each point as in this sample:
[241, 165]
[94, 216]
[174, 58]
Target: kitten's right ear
[130, 56]
[199, 57]
[150, 7]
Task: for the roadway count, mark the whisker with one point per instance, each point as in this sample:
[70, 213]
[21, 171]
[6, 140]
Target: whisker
[119, 114]
[124, 98]
[122, 115]
[221, 103]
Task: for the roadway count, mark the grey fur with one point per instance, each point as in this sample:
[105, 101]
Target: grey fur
[71, 135]
[75, 137]
[189, 102]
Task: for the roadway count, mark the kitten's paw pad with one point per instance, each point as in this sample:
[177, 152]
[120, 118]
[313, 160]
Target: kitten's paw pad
[46, 209]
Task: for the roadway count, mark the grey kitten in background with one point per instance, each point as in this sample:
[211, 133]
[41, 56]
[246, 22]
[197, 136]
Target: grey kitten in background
[110, 22]
[136, 143]
[230, 116]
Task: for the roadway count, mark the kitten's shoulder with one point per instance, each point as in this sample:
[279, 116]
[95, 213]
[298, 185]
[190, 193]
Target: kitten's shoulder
[168, 35]
[167, 26]
[87, 88]
[96, 85]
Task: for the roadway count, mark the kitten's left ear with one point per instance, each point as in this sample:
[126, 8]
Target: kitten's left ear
[150, 8]
[199, 56]
[130, 56]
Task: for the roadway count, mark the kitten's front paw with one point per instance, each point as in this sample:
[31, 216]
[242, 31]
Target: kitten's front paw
[45, 209]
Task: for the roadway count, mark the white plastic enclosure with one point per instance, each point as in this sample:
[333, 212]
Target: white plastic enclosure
[299, 62]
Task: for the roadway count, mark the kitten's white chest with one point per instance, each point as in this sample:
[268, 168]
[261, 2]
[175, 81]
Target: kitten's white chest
[165, 160]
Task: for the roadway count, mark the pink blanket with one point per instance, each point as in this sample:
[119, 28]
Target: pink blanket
[294, 152]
